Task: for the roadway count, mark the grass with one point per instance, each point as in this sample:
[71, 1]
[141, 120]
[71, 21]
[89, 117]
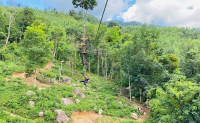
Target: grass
[14, 99]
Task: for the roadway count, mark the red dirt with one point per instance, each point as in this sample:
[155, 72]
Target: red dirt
[91, 117]
[29, 80]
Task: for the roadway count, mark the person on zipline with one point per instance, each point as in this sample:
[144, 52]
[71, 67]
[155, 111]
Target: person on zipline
[86, 80]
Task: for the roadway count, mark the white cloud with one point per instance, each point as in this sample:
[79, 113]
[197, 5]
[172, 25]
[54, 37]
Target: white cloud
[165, 12]
[113, 7]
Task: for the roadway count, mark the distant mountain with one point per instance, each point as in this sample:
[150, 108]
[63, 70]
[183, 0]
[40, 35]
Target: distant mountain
[125, 24]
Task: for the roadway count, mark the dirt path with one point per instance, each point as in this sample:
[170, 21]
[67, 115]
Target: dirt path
[143, 117]
[91, 117]
[47, 67]
[30, 80]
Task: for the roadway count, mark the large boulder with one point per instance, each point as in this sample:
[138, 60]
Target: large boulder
[141, 110]
[66, 101]
[134, 115]
[76, 91]
[120, 103]
[31, 103]
[82, 95]
[61, 117]
[28, 93]
[67, 80]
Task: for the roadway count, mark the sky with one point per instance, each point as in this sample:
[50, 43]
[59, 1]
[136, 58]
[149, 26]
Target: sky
[182, 13]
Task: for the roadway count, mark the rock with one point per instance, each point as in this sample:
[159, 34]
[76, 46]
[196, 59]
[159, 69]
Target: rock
[28, 93]
[76, 91]
[77, 100]
[120, 103]
[113, 88]
[134, 115]
[82, 96]
[31, 103]
[41, 114]
[128, 104]
[83, 88]
[41, 89]
[66, 101]
[145, 113]
[61, 117]
[140, 109]
[106, 99]
[147, 103]
[74, 85]
[133, 97]
[100, 111]
[67, 80]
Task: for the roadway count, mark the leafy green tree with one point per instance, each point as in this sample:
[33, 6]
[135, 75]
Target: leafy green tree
[86, 4]
[57, 35]
[36, 48]
[23, 19]
[170, 62]
[178, 102]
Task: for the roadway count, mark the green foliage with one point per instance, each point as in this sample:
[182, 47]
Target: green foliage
[178, 102]
[170, 62]
[88, 4]
[36, 48]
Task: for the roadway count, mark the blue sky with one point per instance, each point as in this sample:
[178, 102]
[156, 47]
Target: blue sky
[162, 12]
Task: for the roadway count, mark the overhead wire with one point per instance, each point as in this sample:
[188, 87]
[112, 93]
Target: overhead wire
[101, 19]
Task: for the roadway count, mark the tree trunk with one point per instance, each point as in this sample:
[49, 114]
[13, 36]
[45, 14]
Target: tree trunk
[54, 54]
[140, 90]
[106, 67]
[129, 86]
[72, 67]
[84, 42]
[35, 78]
[89, 65]
[75, 62]
[10, 22]
[103, 72]
[98, 64]
[111, 76]
[121, 84]
[60, 71]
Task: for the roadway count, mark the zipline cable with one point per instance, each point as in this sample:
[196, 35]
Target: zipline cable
[101, 19]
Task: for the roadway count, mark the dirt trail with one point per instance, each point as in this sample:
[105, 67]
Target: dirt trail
[30, 80]
[91, 117]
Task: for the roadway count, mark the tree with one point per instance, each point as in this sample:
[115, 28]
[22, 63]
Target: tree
[36, 48]
[57, 35]
[85, 4]
[177, 102]
[23, 19]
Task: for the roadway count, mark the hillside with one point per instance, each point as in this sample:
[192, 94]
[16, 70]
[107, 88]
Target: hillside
[42, 58]
[125, 24]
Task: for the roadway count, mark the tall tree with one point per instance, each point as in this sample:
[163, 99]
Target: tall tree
[36, 48]
[84, 4]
